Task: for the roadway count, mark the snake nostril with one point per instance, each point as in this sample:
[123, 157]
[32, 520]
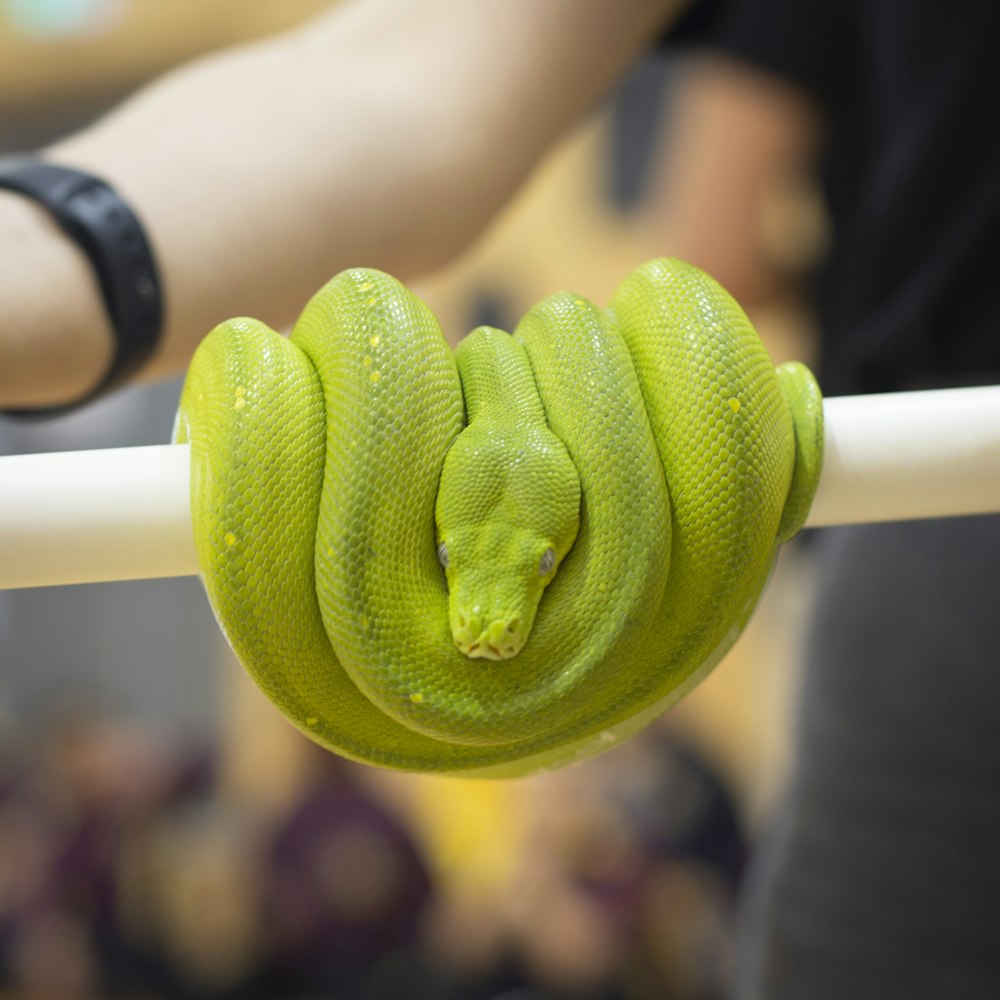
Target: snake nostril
[500, 639]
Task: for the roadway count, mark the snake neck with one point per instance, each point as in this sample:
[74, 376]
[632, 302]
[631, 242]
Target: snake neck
[497, 381]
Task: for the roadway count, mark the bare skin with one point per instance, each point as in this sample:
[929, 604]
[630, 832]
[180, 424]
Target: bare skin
[712, 208]
[383, 133]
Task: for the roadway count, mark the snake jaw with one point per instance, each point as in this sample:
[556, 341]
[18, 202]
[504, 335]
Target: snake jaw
[494, 587]
[499, 640]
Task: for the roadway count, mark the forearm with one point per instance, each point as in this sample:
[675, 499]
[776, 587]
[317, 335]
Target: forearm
[386, 134]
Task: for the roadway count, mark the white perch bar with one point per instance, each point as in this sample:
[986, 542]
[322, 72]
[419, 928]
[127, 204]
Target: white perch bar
[123, 514]
[909, 455]
[89, 516]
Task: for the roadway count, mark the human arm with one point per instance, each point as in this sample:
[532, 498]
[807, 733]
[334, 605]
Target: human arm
[734, 190]
[384, 133]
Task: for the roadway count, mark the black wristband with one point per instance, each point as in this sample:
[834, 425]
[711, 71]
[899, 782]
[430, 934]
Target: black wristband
[92, 214]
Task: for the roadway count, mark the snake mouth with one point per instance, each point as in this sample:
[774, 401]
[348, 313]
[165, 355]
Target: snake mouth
[500, 640]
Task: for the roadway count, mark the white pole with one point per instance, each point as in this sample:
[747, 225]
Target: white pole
[88, 516]
[123, 514]
[909, 455]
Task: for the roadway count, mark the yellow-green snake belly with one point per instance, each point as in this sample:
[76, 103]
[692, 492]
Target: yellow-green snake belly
[505, 558]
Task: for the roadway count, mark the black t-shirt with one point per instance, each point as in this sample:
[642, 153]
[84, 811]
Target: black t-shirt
[910, 293]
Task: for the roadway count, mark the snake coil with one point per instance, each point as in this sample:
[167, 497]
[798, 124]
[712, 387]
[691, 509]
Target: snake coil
[505, 558]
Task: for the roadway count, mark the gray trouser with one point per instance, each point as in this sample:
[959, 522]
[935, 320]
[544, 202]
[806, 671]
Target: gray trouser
[881, 877]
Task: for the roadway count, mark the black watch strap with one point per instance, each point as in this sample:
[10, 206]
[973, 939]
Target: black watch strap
[92, 214]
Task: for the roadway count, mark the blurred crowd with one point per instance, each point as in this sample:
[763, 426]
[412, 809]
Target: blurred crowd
[127, 870]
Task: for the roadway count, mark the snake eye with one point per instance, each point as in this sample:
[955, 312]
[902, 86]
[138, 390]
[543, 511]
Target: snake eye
[443, 555]
[547, 561]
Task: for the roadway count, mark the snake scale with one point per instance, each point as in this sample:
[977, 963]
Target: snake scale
[500, 559]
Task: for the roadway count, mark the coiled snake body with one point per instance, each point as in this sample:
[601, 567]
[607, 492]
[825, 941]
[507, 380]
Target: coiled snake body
[500, 559]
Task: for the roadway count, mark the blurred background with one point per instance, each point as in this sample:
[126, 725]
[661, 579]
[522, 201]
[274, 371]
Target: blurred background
[164, 833]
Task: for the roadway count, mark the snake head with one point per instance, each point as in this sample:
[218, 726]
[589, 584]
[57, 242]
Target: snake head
[508, 510]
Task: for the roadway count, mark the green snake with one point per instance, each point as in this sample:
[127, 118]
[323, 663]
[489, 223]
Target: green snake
[505, 558]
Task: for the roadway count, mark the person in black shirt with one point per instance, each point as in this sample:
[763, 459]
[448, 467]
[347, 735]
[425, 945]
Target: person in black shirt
[881, 877]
